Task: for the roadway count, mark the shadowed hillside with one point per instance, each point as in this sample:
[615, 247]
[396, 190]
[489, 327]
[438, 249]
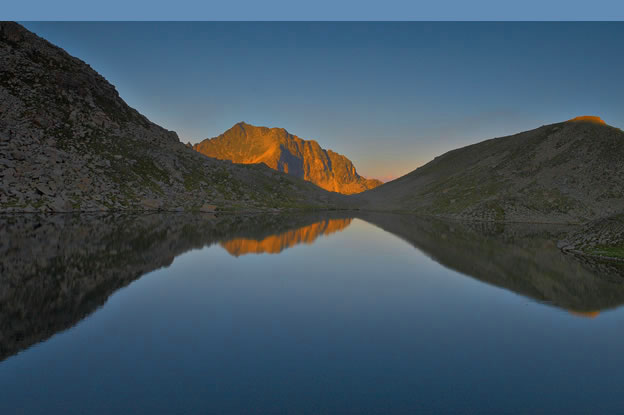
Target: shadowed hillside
[287, 153]
[68, 142]
[567, 172]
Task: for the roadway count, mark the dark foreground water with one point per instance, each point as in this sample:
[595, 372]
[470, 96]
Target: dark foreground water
[303, 314]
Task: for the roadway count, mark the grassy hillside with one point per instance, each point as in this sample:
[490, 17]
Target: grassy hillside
[566, 172]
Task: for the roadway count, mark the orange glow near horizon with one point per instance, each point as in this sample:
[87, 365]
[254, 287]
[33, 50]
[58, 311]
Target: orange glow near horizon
[585, 314]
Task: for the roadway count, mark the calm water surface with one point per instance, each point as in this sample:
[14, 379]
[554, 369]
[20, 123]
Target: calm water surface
[310, 314]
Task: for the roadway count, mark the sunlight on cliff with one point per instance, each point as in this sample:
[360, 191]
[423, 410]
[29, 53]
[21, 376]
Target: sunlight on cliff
[589, 118]
[274, 244]
[285, 152]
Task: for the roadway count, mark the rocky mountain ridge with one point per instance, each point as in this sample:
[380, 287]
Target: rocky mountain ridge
[285, 152]
[68, 142]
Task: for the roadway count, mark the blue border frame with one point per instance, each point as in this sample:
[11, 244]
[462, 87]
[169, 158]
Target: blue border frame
[480, 10]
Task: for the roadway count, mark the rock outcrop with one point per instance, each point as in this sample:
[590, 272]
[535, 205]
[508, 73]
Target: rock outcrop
[68, 142]
[282, 151]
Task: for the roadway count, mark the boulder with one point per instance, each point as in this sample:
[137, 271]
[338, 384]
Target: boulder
[150, 204]
[208, 208]
[43, 189]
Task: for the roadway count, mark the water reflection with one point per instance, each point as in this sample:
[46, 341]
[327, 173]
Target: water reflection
[585, 314]
[55, 270]
[274, 244]
[523, 258]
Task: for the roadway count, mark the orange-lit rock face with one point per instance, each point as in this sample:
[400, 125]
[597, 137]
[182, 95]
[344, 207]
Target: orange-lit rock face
[275, 244]
[282, 151]
[585, 314]
[589, 118]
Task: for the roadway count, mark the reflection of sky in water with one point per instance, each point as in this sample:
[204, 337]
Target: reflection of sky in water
[357, 321]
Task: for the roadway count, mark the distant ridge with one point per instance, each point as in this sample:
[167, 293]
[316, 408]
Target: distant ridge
[277, 148]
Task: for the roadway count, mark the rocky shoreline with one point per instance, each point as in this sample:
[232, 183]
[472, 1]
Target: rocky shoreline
[601, 239]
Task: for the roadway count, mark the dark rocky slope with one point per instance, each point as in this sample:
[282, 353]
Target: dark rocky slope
[282, 151]
[566, 172]
[69, 142]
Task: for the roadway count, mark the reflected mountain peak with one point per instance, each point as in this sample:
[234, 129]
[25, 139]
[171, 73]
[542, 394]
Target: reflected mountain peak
[585, 314]
[276, 243]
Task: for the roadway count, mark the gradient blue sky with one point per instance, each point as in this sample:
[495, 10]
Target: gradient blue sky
[390, 96]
